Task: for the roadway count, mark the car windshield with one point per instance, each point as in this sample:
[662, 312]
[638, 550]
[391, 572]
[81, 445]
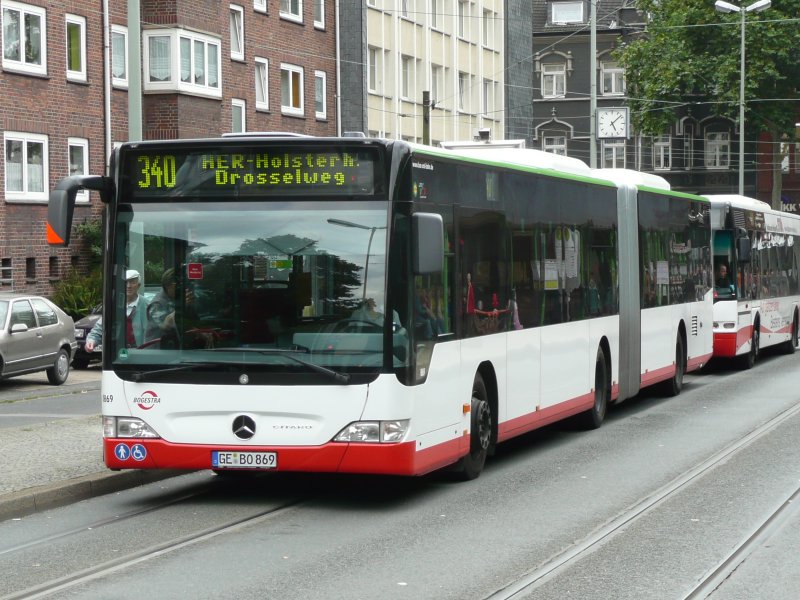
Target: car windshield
[305, 278]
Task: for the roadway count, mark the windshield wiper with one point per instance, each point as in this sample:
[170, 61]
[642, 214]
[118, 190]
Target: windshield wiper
[289, 353]
[142, 375]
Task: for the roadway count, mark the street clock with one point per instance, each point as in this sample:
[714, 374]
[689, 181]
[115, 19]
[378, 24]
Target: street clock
[612, 122]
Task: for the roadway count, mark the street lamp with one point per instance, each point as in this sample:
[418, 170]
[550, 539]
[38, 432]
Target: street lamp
[727, 7]
[371, 230]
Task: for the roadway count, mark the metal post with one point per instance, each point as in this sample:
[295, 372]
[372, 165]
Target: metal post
[741, 110]
[426, 117]
[593, 87]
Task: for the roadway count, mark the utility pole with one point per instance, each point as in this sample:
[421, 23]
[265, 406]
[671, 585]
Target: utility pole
[426, 117]
[593, 86]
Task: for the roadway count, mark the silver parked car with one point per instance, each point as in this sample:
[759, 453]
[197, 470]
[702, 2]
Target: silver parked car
[35, 335]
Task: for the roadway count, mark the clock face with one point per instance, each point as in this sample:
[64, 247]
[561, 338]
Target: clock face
[612, 122]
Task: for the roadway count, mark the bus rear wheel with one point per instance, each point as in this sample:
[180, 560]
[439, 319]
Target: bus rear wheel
[594, 417]
[481, 423]
[748, 360]
[791, 344]
[674, 386]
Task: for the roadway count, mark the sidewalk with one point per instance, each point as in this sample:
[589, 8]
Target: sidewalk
[56, 461]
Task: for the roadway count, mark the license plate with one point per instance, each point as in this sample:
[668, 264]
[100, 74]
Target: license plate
[244, 460]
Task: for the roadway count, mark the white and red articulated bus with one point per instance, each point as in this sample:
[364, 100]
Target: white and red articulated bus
[373, 306]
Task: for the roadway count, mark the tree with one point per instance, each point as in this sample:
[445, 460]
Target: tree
[689, 56]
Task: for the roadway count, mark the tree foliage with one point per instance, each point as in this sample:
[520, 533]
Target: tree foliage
[689, 56]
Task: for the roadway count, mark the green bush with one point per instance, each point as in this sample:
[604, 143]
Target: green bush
[78, 294]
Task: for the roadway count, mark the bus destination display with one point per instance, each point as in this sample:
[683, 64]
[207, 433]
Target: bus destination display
[252, 171]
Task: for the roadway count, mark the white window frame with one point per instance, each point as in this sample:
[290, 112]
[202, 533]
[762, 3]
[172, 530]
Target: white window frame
[437, 83]
[237, 32]
[375, 70]
[488, 29]
[618, 154]
[463, 91]
[406, 77]
[662, 152]
[76, 20]
[25, 194]
[554, 74]
[260, 6]
[717, 149]
[566, 12]
[262, 97]
[291, 109]
[21, 66]
[119, 30]
[488, 98]
[321, 76]
[211, 45]
[291, 13]
[555, 144]
[237, 104]
[83, 195]
[436, 15]
[462, 17]
[616, 76]
[319, 14]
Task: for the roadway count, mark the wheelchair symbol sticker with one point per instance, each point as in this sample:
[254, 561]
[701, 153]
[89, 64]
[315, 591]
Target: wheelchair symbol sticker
[122, 452]
[138, 452]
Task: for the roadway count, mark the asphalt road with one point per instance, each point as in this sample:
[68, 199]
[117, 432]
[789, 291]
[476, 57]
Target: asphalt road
[648, 506]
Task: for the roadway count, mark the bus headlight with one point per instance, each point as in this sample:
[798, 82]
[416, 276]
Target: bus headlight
[386, 432]
[126, 427]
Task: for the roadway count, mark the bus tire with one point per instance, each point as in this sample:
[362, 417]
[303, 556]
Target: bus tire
[748, 360]
[674, 386]
[480, 437]
[594, 417]
[791, 344]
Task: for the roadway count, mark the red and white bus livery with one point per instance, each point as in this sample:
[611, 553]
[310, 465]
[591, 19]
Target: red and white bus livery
[756, 282]
[373, 306]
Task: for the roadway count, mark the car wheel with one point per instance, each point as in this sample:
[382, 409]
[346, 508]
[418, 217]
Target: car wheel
[58, 373]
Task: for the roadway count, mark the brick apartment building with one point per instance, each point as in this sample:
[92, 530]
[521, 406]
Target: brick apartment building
[207, 67]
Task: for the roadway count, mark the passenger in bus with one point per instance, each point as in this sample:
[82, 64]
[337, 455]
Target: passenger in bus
[722, 276]
[161, 312]
[135, 316]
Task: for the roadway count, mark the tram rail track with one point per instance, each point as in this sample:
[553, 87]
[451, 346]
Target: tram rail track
[525, 585]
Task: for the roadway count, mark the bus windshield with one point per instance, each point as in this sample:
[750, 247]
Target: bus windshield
[276, 286]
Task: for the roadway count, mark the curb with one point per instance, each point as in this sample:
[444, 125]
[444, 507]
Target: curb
[54, 495]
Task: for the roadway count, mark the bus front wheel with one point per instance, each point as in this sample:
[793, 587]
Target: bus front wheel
[749, 359]
[674, 386]
[481, 423]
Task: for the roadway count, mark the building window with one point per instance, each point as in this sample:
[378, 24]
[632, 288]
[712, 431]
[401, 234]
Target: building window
[119, 56]
[437, 83]
[320, 95]
[554, 80]
[614, 154]
[404, 8]
[53, 268]
[183, 61]
[717, 149]
[24, 38]
[662, 152]
[76, 47]
[406, 68]
[26, 166]
[488, 28]
[463, 91]
[319, 14]
[375, 70]
[238, 108]
[79, 162]
[566, 12]
[436, 13]
[30, 269]
[688, 146]
[555, 144]
[260, 6]
[292, 10]
[262, 84]
[613, 78]
[463, 16]
[237, 32]
[488, 98]
[291, 89]
[6, 272]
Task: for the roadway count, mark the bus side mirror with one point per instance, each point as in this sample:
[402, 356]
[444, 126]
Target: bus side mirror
[61, 204]
[427, 232]
[743, 249]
